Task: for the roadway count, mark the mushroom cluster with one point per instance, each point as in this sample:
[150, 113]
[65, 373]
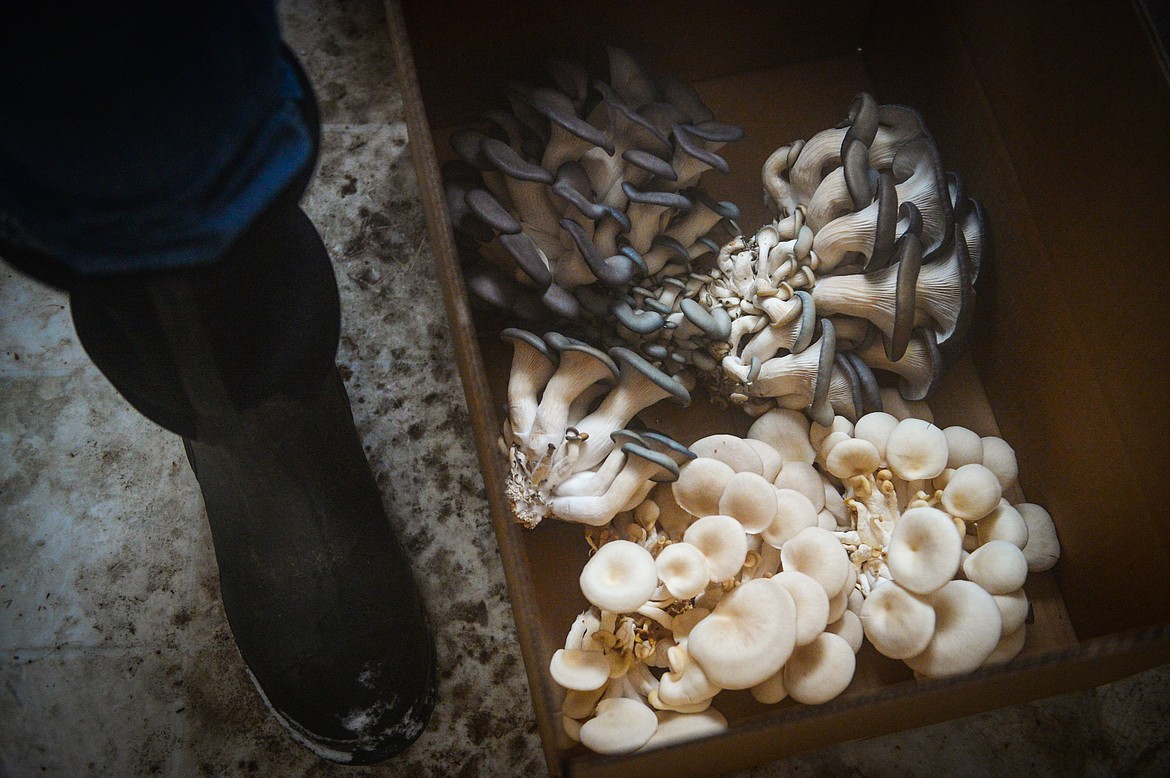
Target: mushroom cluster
[569, 451]
[768, 560]
[585, 191]
[870, 265]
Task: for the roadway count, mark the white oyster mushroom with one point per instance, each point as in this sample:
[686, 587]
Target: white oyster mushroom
[676, 727]
[924, 550]
[684, 686]
[820, 670]
[812, 604]
[1043, 548]
[916, 449]
[964, 447]
[1004, 523]
[751, 500]
[896, 621]
[581, 704]
[748, 637]
[620, 726]
[723, 542]
[852, 458]
[579, 670]
[533, 364]
[683, 570]
[967, 630]
[1008, 648]
[819, 554]
[731, 450]
[876, 428]
[642, 468]
[1013, 609]
[849, 628]
[794, 514]
[786, 431]
[770, 459]
[839, 603]
[700, 485]
[998, 566]
[1000, 458]
[972, 492]
[804, 478]
[620, 577]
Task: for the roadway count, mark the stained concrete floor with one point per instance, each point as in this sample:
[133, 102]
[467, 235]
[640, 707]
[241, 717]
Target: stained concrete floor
[114, 652]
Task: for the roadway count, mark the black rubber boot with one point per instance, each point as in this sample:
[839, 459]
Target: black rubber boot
[237, 357]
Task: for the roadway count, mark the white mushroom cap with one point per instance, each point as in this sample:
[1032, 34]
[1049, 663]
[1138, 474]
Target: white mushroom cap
[748, 637]
[826, 520]
[972, 492]
[685, 684]
[805, 479]
[817, 553]
[812, 604]
[1013, 609]
[671, 517]
[916, 449]
[786, 431]
[620, 577]
[750, 499]
[966, 630]
[925, 550]
[674, 727]
[840, 603]
[620, 726]
[770, 459]
[722, 541]
[853, 457]
[579, 670]
[998, 566]
[700, 484]
[1008, 648]
[731, 450]
[818, 432]
[896, 621]
[830, 442]
[683, 570]
[901, 408]
[965, 447]
[682, 624]
[581, 704]
[772, 690]
[848, 627]
[1043, 548]
[1004, 523]
[876, 428]
[1000, 458]
[819, 671]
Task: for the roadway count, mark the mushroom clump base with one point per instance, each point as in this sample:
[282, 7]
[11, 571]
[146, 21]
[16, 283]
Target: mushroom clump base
[766, 561]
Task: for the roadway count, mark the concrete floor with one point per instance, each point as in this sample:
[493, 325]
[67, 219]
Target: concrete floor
[114, 652]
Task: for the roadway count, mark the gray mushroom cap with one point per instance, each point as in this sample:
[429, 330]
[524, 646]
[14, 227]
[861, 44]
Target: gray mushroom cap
[863, 120]
[713, 325]
[715, 131]
[629, 79]
[521, 337]
[820, 410]
[626, 124]
[908, 256]
[488, 209]
[568, 347]
[570, 77]
[527, 256]
[664, 199]
[808, 321]
[669, 470]
[688, 142]
[858, 179]
[655, 350]
[725, 208]
[868, 396]
[683, 96]
[631, 363]
[617, 270]
[509, 162]
[669, 446]
[561, 302]
[462, 217]
[887, 222]
[651, 163]
[642, 322]
[559, 110]
[466, 143]
[672, 245]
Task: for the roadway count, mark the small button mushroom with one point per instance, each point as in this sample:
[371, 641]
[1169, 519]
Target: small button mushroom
[853, 457]
[849, 628]
[1004, 523]
[794, 514]
[924, 550]
[812, 604]
[683, 570]
[967, 630]
[1000, 458]
[579, 670]
[748, 637]
[998, 566]
[818, 553]
[621, 725]
[1013, 609]
[722, 541]
[674, 727]
[620, 577]
[916, 449]
[751, 500]
[896, 621]
[972, 492]
[700, 484]
[819, 671]
[786, 431]
[964, 447]
[1043, 548]
[730, 449]
[804, 478]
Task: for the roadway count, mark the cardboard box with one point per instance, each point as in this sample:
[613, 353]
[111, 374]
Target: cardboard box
[1059, 124]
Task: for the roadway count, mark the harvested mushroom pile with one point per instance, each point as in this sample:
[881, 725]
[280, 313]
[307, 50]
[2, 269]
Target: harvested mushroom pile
[769, 559]
[563, 202]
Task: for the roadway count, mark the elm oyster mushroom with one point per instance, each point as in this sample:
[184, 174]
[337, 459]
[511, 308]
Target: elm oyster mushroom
[585, 190]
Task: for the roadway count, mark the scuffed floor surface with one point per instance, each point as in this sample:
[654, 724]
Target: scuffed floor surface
[114, 653]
